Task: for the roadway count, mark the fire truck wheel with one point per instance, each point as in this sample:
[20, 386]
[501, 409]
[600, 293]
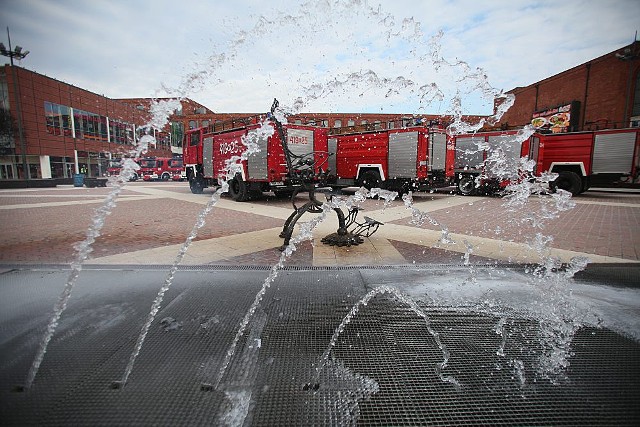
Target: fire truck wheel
[370, 179]
[467, 185]
[165, 177]
[568, 181]
[196, 185]
[238, 190]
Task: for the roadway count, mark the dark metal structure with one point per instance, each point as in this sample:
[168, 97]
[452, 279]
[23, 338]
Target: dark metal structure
[307, 176]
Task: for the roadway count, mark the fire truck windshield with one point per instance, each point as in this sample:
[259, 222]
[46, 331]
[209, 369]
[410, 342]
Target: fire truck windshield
[147, 163]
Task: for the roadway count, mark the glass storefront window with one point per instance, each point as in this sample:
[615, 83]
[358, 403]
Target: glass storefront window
[61, 167]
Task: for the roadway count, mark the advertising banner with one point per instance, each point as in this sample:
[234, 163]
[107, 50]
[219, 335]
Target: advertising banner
[559, 119]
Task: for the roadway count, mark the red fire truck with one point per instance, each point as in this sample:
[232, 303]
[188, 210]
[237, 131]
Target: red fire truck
[115, 166]
[585, 159]
[411, 158]
[161, 168]
[207, 150]
[581, 159]
[468, 155]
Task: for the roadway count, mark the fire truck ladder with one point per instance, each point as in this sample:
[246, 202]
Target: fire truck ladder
[302, 173]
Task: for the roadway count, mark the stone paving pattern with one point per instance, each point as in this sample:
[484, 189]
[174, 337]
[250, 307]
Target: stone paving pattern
[152, 220]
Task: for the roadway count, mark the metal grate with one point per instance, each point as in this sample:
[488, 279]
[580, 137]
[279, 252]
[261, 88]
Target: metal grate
[382, 370]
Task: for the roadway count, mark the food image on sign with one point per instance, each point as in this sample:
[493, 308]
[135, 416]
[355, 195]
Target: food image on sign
[538, 122]
[556, 119]
[559, 120]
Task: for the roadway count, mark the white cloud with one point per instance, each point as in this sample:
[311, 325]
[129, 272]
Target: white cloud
[139, 47]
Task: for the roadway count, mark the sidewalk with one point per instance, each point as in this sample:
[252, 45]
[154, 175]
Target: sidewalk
[151, 222]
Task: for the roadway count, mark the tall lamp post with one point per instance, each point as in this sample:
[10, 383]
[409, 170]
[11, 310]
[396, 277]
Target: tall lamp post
[17, 53]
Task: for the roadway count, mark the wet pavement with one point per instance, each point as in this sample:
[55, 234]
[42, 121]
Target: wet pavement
[152, 220]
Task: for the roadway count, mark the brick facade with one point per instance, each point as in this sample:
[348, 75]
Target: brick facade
[59, 151]
[604, 88]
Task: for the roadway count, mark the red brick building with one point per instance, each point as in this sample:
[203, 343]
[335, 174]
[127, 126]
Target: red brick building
[601, 93]
[57, 129]
[192, 118]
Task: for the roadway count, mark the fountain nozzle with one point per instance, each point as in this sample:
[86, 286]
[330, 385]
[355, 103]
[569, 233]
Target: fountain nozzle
[206, 387]
[117, 385]
[310, 386]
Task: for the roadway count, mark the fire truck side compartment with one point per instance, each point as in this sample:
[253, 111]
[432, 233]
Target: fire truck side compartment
[437, 151]
[403, 149]
[207, 156]
[613, 152]
[332, 147]
[257, 161]
[468, 154]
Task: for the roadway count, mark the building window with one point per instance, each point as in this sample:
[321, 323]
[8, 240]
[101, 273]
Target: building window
[58, 119]
[193, 124]
[325, 123]
[61, 167]
[177, 133]
[163, 138]
[146, 130]
[90, 125]
[337, 124]
[351, 123]
[121, 133]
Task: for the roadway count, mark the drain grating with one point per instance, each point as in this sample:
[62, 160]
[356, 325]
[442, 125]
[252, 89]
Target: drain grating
[383, 369]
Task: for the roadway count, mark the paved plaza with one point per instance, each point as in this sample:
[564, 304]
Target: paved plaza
[151, 222]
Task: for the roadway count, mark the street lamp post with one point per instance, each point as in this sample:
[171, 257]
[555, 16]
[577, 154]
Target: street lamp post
[17, 53]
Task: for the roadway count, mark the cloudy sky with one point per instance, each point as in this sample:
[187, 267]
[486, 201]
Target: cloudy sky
[392, 56]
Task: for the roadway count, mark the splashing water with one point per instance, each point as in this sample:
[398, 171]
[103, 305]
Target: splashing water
[499, 329]
[305, 233]
[84, 248]
[233, 165]
[324, 359]
[345, 389]
[386, 195]
[418, 218]
[525, 191]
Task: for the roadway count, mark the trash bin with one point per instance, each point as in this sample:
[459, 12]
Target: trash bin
[78, 179]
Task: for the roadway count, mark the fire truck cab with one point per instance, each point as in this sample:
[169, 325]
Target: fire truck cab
[161, 168]
[115, 166]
